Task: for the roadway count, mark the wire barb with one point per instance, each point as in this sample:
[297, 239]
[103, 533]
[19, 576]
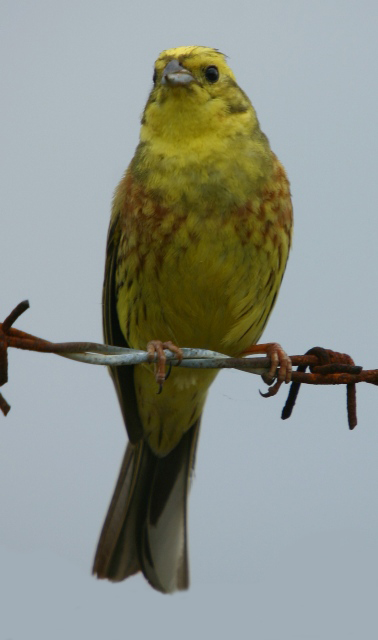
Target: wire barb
[15, 314]
[329, 363]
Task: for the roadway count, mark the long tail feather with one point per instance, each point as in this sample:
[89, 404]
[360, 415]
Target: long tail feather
[146, 525]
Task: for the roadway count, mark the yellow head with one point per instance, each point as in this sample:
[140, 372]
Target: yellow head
[194, 93]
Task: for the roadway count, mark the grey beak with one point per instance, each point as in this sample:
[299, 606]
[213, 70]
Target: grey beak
[175, 75]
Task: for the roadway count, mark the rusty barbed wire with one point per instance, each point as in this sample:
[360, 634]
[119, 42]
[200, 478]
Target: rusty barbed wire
[329, 362]
[326, 367]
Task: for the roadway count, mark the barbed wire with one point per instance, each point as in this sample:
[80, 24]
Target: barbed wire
[326, 367]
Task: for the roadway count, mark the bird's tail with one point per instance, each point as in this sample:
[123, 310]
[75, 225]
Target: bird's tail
[145, 527]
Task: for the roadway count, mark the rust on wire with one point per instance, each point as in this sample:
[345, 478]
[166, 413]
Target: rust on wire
[326, 366]
[330, 363]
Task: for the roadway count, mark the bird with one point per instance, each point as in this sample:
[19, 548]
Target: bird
[197, 246]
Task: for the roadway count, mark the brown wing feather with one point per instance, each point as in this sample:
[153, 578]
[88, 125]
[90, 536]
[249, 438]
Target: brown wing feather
[123, 377]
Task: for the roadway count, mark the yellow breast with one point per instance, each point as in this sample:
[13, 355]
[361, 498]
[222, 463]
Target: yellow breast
[202, 276]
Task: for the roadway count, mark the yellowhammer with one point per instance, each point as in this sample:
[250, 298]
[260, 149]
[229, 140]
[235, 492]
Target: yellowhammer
[197, 246]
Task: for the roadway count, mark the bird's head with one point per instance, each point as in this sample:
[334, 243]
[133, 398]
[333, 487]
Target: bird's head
[194, 93]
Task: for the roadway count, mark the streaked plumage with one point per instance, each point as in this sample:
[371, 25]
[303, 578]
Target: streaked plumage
[197, 247]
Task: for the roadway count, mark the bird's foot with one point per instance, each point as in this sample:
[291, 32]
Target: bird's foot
[280, 366]
[155, 351]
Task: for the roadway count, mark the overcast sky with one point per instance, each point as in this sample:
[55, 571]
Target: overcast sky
[283, 515]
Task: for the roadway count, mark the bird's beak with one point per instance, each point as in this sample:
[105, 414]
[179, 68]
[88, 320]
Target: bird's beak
[175, 75]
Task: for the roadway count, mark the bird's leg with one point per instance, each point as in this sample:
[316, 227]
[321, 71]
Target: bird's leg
[279, 360]
[156, 348]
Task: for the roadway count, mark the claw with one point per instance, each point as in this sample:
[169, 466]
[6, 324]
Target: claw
[155, 351]
[280, 367]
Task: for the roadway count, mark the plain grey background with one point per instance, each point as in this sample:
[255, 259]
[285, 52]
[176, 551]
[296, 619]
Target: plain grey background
[283, 515]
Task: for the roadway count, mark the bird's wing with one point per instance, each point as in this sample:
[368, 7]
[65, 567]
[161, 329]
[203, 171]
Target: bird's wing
[123, 377]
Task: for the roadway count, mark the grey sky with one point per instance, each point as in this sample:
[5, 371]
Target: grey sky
[283, 515]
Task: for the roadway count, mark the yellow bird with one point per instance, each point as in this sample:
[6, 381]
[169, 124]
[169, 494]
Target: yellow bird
[197, 246]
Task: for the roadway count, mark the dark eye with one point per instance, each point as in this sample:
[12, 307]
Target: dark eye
[211, 73]
[154, 77]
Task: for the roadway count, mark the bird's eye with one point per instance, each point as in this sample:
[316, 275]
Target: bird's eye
[211, 73]
[154, 77]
